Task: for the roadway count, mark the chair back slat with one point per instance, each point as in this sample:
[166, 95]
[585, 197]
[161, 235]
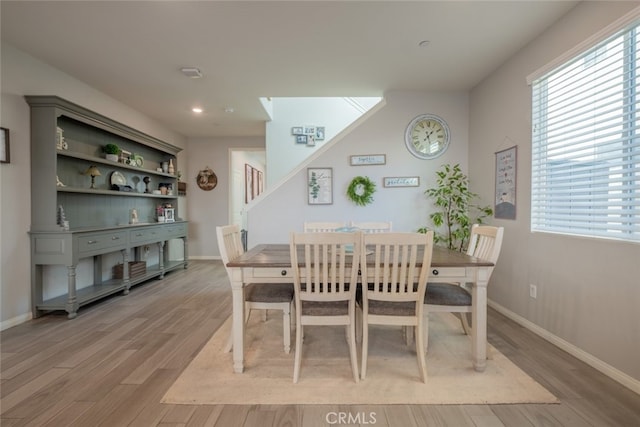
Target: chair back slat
[322, 227]
[373, 227]
[326, 275]
[395, 274]
[485, 242]
[229, 243]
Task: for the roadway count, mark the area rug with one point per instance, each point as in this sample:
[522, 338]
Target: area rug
[325, 376]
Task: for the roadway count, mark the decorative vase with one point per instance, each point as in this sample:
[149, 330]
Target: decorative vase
[165, 167]
[112, 157]
[171, 169]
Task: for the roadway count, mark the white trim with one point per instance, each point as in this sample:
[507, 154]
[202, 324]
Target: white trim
[608, 370]
[610, 29]
[10, 323]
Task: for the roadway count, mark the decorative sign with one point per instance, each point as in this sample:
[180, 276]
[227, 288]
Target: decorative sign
[401, 181]
[368, 159]
[505, 196]
[207, 179]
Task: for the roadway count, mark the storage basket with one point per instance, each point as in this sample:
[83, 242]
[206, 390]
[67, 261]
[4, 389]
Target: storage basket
[136, 269]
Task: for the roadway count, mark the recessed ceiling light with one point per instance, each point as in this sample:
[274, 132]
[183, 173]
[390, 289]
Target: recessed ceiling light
[424, 43]
[197, 110]
[229, 110]
[191, 72]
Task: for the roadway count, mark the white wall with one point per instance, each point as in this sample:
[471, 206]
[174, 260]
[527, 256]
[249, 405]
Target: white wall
[588, 289]
[285, 207]
[25, 75]
[208, 209]
[283, 154]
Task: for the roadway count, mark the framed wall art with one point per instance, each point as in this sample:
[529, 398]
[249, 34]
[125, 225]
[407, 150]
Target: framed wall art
[320, 186]
[505, 196]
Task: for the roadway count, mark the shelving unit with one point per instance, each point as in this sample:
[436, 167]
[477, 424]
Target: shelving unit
[98, 218]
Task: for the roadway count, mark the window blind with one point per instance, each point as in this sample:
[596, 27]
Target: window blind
[586, 142]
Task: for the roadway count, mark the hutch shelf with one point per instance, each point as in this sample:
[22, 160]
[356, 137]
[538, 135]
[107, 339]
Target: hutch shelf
[75, 216]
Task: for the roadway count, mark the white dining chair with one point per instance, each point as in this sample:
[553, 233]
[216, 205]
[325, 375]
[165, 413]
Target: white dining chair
[485, 243]
[260, 296]
[393, 286]
[322, 227]
[373, 227]
[325, 286]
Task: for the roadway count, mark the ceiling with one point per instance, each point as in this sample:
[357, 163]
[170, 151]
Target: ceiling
[133, 51]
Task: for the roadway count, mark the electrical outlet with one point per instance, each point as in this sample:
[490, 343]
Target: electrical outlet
[533, 291]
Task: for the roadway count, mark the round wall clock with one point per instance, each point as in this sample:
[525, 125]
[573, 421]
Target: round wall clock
[427, 136]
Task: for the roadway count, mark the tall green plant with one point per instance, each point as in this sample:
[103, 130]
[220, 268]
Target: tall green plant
[456, 209]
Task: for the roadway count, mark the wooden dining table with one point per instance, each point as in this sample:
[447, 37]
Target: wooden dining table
[271, 263]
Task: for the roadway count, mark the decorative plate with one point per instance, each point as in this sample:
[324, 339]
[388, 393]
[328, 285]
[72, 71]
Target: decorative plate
[118, 179]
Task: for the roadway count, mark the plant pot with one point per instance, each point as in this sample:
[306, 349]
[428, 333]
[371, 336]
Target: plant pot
[112, 157]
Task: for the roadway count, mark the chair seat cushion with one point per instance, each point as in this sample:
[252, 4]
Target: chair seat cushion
[389, 308]
[325, 308]
[447, 294]
[269, 292]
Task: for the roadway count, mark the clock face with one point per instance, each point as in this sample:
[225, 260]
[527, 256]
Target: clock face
[427, 136]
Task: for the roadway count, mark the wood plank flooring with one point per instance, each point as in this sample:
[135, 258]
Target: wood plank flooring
[112, 364]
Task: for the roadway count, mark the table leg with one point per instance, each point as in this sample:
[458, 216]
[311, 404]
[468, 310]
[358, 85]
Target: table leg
[237, 290]
[479, 320]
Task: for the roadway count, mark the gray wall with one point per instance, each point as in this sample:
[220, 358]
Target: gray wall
[588, 289]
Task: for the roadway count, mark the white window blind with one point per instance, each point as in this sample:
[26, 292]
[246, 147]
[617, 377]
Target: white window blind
[586, 143]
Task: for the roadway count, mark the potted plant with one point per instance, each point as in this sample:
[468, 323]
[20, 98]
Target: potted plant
[111, 151]
[456, 209]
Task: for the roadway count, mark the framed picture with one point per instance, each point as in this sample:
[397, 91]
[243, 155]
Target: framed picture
[260, 182]
[4, 146]
[169, 215]
[311, 141]
[301, 139]
[320, 186]
[248, 183]
[401, 181]
[297, 130]
[319, 133]
[309, 130]
[368, 159]
[255, 182]
[505, 196]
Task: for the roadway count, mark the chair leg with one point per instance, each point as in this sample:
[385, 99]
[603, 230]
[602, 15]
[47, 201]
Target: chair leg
[229, 345]
[365, 350]
[422, 364]
[358, 324]
[465, 323]
[425, 331]
[286, 326]
[298, 353]
[353, 353]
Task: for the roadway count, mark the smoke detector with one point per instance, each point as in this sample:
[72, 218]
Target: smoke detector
[191, 72]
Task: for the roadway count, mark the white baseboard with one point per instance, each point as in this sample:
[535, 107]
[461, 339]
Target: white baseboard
[608, 370]
[9, 323]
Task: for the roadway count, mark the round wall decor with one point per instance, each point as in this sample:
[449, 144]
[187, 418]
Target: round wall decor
[207, 179]
[427, 136]
[361, 190]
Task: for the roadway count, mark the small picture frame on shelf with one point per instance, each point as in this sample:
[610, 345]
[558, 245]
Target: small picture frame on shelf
[169, 215]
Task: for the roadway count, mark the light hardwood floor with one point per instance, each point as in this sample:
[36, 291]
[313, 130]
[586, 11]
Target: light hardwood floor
[112, 364]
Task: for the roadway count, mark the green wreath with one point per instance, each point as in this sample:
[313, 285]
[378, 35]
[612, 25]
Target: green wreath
[361, 190]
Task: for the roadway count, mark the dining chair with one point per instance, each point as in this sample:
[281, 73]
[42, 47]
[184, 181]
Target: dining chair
[393, 285]
[485, 243]
[325, 279]
[322, 227]
[261, 296]
[373, 227]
